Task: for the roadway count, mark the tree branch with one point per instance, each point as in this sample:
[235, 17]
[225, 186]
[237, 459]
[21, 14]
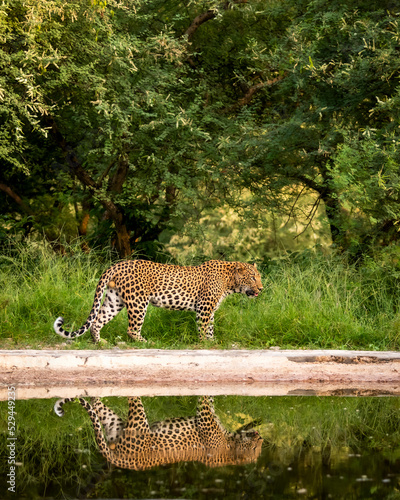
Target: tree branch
[106, 172]
[251, 91]
[206, 16]
[310, 183]
[12, 194]
[311, 215]
[198, 21]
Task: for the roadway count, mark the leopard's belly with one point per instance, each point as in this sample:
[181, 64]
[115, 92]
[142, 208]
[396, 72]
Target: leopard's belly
[170, 300]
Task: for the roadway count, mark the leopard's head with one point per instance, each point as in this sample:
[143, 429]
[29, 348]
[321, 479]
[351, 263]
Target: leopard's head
[247, 279]
[245, 445]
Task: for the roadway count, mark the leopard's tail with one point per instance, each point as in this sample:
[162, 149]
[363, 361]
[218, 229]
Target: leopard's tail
[101, 442]
[98, 296]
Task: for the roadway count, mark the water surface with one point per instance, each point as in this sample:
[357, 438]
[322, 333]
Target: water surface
[282, 447]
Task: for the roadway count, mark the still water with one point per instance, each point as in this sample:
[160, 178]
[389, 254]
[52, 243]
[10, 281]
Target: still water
[201, 447]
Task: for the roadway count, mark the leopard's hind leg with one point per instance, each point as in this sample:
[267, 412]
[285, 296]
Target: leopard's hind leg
[111, 306]
[136, 314]
[113, 424]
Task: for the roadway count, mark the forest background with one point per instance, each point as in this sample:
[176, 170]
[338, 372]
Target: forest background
[253, 130]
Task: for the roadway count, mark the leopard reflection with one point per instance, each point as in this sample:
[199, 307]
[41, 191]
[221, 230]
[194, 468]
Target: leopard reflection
[135, 444]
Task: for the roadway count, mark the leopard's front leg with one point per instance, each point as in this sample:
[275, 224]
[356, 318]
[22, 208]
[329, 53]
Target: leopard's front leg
[137, 420]
[205, 308]
[205, 325]
[208, 301]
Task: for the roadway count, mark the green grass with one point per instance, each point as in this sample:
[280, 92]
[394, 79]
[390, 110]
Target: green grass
[312, 302]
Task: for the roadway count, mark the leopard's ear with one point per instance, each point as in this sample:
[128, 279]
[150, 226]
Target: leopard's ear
[240, 269]
[255, 265]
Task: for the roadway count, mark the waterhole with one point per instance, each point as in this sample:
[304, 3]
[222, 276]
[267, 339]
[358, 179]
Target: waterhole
[200, 447]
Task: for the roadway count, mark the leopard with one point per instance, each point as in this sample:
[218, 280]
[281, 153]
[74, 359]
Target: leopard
[135, 284]
[137, 445]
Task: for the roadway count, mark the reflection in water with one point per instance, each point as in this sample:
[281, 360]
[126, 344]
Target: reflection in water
[325, 447]
[135, 444]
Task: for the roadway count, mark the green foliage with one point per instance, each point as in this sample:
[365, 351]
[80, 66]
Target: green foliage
[121, 98]
[365, 176]
[336, 95]
[139, 116]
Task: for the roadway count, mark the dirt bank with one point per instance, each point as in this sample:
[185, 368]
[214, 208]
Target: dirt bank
[149, 372]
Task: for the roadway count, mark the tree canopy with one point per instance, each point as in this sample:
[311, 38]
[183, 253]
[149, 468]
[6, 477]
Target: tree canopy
[134, 116]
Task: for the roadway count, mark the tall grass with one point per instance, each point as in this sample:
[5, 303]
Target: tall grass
[36, 285]
[309, 302]
[326, 303]
[319, 302]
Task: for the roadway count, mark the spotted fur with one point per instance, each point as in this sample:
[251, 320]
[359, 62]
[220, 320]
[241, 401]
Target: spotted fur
[137, 283]
[138, 445]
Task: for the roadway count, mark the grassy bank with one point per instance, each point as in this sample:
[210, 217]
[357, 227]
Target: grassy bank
[310, 301]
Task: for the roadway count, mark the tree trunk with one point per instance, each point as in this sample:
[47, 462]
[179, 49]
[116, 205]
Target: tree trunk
[334, 214]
